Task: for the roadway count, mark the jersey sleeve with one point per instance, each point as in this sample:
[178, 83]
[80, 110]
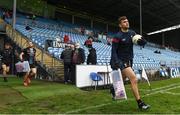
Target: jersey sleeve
[133, 33]
[114, 51]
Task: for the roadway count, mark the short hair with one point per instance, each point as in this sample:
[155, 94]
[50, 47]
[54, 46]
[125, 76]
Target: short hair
[7, 43]
[121, 18]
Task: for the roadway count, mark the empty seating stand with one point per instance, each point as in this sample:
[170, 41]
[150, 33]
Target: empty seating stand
[47, 29]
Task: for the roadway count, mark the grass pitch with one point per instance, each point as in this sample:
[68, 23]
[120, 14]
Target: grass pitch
[49, 97]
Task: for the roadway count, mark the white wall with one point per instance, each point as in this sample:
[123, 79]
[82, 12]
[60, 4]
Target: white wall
[83, 74]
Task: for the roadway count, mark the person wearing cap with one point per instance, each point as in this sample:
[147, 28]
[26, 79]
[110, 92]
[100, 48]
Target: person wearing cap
[92, 56]
[88, 42]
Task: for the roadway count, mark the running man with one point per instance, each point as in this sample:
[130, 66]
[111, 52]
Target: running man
[28, 54]
[122, 57]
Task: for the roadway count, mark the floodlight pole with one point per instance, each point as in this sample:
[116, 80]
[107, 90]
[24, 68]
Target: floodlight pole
[14, 14]
[107, 27]
[140, 16]
[92, 23]
[72, 19]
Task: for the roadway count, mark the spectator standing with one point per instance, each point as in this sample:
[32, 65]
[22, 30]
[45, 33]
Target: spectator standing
[88, 42]
[66, 55]
[92, 56]
[77, 59]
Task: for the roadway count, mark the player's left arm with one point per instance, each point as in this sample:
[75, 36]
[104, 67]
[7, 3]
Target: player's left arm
[141, 41]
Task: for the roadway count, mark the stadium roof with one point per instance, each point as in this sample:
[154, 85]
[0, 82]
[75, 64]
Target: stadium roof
[157, 14]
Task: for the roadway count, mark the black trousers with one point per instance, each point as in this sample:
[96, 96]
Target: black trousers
[67, 71]
[73, 74]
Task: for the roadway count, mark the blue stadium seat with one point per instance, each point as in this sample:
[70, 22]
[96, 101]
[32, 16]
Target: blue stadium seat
[95, 78]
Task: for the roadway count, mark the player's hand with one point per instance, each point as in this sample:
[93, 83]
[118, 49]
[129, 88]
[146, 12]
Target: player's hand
[141, 42]
[115, 66]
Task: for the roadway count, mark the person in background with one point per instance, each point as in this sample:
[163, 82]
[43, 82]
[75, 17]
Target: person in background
[33, 19]
[4, 15]
[7, 57]
[72, 47]
[82, 30]
[78, 58]
[29, 54]
[92, 57]
[66, 56]
[88, 42]
[66, 39]
[109, 41]
[122, 57]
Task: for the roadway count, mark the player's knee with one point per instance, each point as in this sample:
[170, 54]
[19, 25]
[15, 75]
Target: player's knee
[4, 70]
[32, 74]
[4, 67]
[7, 70]
[133, 80]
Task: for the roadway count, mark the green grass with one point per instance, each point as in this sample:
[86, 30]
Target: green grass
[48, 97]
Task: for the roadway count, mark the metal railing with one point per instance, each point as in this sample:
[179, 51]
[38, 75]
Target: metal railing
[52, 65]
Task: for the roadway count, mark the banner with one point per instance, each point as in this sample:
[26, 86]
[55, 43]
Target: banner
[174, 72]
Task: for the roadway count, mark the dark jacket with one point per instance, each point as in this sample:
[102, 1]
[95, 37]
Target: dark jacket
[66, 55]
[80, 56]
[92, 57]
[7, 55]
[29, 56]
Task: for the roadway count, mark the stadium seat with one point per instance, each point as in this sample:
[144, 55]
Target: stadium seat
[95, 78]
[50, 29]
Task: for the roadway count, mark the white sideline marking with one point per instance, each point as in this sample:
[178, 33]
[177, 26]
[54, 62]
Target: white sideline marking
[172, 93]
[96, 106]
[160, 90]
[175, 84]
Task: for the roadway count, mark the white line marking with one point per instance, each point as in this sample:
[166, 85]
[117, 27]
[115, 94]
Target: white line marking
[129, 99]
[160, 91]
[171, 93]
[97, 106]
[167, 86]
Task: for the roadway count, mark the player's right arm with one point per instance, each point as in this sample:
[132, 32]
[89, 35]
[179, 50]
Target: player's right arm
[114, 50]
[21, 55]
[115, 61]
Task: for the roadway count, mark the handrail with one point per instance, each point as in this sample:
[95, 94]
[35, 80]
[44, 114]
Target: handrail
[43, 57]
